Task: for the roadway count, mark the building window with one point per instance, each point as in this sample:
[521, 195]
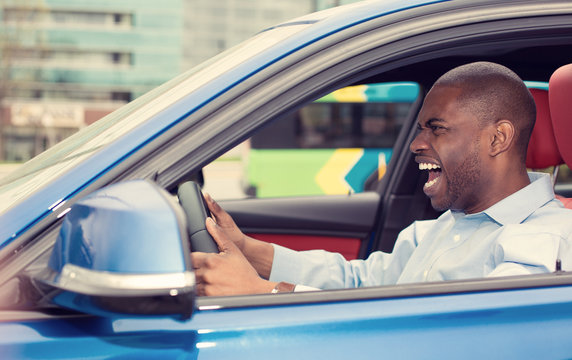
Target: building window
[51, 17]
[68, 57]
[121, 96]
[72, 92]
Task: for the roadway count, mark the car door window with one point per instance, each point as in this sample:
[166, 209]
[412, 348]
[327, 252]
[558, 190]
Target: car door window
[340, 143]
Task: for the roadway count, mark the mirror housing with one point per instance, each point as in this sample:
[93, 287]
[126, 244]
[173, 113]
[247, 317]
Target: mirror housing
[123, 250]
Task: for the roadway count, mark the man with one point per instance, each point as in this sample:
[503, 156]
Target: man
[474, 128]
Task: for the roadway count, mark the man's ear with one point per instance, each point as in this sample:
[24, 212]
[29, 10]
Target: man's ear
[502, 137]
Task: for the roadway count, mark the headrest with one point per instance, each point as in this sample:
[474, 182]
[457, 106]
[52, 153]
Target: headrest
[560, 90]
[542, 149]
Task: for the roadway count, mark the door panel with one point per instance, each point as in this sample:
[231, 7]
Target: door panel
[496, 324]
[347, 246]
[335, 223]
[528, 323]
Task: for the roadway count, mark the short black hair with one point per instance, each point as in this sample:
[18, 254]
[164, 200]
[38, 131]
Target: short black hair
[493, 92]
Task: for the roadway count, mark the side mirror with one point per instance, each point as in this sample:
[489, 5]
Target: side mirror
[123, 250]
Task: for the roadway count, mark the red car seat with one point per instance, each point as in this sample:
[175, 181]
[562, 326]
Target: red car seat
[560, 100]
[542, 149]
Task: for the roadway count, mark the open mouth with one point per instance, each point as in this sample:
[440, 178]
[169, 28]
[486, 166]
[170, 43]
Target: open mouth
[434, 174]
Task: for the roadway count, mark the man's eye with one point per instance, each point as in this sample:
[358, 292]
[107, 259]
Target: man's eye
[430, 127]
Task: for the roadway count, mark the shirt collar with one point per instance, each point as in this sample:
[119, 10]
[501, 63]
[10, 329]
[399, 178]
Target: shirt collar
[515, 208]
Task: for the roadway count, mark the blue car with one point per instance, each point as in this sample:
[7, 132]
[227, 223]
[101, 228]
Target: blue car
[94, 246]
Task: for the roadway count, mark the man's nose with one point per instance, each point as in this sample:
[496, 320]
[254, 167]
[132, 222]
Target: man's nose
[419, 143]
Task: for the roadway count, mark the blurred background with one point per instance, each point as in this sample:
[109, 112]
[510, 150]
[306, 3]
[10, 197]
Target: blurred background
[64, 64]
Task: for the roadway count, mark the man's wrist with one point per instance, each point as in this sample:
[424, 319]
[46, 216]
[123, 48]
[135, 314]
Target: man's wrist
[283, 287]
[260, 254]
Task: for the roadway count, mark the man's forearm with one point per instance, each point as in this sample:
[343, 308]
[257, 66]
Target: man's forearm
[260, 254]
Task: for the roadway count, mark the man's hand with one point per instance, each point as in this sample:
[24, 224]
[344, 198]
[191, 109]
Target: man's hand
[226, 224]
[228, 272]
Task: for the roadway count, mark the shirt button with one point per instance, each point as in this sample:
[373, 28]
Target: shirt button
[456, 238]
[425, 273]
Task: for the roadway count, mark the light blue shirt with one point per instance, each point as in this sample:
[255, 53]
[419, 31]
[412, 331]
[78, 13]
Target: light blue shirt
[522, 234]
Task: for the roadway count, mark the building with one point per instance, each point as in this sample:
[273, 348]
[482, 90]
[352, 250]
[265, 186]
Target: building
[213, 26]
[67, 63]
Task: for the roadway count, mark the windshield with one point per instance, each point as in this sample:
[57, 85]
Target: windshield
[51, 164]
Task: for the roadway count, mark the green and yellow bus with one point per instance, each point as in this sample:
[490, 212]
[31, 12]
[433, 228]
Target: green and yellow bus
[331, 146]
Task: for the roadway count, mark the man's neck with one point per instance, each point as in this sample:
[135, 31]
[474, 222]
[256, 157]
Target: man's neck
[499, 188]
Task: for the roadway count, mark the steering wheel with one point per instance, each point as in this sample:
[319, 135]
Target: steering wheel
[193, 203]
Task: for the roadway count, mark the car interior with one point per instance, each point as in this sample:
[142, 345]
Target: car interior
[531, 63]
[550, 147]
[403, 200]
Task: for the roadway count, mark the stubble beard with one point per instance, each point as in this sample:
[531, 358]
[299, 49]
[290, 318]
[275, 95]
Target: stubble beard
[461, 183]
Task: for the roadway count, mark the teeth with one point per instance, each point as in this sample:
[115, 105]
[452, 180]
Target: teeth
[428, 184]
[427, 166]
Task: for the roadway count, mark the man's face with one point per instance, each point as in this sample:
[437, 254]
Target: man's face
[448, 146]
